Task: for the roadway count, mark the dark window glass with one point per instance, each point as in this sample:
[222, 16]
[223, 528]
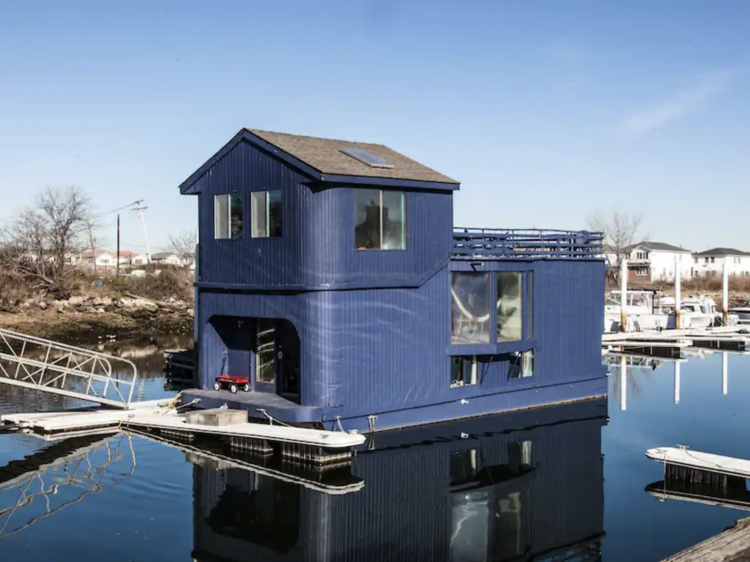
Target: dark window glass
[380, 220]
[509, 306]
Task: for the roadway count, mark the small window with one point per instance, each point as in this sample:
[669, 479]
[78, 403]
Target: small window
[521, 365]
[509, 306]
[266, 213]
[463, 371]
[380, 220]
[470, 307]
[713, 260]
[366, 158]
[227, 217]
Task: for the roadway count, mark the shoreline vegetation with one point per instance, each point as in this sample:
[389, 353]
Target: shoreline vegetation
[101, 308]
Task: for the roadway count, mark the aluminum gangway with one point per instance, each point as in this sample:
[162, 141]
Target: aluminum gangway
[40, 364]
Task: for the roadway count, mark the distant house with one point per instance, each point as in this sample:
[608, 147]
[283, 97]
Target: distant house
[102, 259]
[711, 262]
[657, 261]
[139, 260]
[167, 258]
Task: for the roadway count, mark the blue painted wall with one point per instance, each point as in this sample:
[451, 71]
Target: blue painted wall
[404, 512]
[316, 249]
[375, 326]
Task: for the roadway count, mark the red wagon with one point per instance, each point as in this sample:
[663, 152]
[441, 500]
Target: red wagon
[233, 382]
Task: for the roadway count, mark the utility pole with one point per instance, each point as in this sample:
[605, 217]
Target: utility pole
[140, 208]
[93, 246]
[118, 246]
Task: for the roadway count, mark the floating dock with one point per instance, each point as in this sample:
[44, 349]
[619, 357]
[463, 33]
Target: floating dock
[672, 344]
[230, 427]
[682, 464]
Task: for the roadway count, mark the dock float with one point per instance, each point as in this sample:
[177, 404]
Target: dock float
[704, 468]
[230, 427]
[731, 545]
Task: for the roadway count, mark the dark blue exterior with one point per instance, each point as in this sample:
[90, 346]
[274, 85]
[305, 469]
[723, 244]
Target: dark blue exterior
[412, 481]
[375, 326]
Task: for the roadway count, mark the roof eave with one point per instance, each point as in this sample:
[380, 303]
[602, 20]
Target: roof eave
[188, 186]
[397, 183]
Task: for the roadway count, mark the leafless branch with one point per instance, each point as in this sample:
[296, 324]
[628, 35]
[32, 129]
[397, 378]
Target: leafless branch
[621, 231]
[183, 245]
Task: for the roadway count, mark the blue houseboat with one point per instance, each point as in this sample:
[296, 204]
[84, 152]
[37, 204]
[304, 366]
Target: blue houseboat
[331, 279]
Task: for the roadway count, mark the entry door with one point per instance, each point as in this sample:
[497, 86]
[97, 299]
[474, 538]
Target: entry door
[287, 359]
[265, 355]
[277, 358]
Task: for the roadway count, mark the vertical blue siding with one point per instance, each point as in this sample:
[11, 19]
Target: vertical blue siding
[317, 243]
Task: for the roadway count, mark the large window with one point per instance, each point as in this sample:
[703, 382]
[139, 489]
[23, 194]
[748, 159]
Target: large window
[509, 306]
[266, 213]
[380, 220]
[227, 216]
[470, 310]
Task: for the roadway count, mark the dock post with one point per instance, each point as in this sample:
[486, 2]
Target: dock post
[677, 367]
[623, 383]
[623, 295]
[677, 293]
[725, 293]
[724, 372]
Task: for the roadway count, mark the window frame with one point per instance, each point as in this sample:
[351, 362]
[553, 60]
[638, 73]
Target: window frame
[228, 234]
[473, 368]
[266, 202]
[402, 193]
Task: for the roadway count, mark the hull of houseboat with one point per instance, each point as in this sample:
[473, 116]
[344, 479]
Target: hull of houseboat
[495, 403]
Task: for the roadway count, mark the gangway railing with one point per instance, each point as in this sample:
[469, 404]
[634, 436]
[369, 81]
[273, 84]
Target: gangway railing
[57, 368]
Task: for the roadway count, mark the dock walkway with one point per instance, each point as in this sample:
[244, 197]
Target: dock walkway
[731, 545]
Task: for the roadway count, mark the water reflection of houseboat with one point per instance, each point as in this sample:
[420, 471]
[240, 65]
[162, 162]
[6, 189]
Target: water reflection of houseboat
[330, 275]
[521, 485]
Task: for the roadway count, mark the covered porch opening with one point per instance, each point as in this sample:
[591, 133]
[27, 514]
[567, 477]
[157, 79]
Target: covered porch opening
[265, 351]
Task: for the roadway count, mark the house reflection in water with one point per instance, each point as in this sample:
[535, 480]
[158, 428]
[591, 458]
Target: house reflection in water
[518, 486]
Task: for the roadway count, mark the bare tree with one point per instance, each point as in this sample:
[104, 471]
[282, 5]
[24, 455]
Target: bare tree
[183, 245]
[40, 242]
[621, 231]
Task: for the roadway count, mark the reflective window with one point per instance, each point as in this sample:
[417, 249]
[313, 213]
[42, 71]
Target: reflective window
[266, 213]
[380, 220]
[521, 365]
[509, 306]
[470, 307]
[463, 371]
[227, 216]
[264, 351]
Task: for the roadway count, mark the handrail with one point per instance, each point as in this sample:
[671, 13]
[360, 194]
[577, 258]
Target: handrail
[495, 243]
[46, 365]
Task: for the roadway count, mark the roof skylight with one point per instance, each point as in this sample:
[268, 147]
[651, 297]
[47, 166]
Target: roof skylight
[366, 158]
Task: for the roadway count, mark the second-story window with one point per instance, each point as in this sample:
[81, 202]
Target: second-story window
[266, 213]
[227, 216]
[380, 220]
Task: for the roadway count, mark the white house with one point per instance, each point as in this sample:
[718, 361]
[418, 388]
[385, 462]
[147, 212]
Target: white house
[657, 261]
[102, 258]
[711, 262]
[167, 258]
[139, 259]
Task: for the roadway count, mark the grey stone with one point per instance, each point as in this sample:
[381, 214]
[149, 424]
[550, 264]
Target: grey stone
[77, 300]
[216, 417]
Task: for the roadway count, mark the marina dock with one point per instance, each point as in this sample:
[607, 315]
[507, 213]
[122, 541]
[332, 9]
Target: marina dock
[731, 545]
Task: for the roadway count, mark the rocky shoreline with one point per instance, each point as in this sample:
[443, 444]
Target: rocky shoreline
[84, 318]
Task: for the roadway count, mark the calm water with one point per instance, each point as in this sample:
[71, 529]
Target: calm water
[555, 481]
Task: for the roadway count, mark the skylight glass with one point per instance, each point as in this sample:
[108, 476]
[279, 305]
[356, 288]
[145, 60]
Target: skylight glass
[366, 158]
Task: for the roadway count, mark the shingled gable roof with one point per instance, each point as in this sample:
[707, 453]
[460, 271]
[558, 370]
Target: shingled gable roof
[323, 159]
[659, 246]
[723, 252]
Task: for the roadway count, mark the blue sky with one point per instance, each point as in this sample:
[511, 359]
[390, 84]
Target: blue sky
[545, 111]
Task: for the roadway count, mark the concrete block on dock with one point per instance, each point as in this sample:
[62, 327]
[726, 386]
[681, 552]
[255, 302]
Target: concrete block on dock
[216, 417]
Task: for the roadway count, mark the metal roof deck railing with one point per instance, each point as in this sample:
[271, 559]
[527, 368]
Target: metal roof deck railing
[498, 244]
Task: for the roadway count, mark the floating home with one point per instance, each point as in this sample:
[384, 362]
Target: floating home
[331, 277]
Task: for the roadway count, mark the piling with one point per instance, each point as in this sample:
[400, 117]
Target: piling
[623, 383]
[677, 366]
[677, 293]
[725, 293]
[724, 372]
[623, 295]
